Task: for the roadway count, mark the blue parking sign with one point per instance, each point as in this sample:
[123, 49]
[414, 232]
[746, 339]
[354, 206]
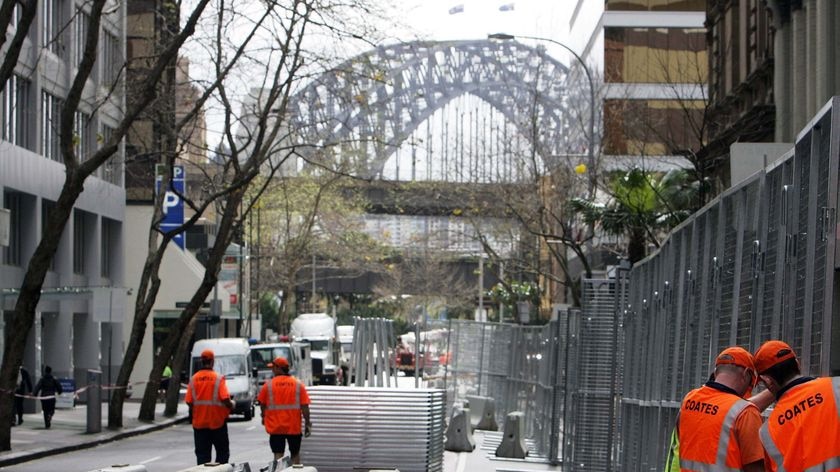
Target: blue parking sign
[173, 205]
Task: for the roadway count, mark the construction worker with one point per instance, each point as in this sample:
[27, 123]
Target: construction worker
[282, 402]
[210, 405]
[803, 431]
[717, 428]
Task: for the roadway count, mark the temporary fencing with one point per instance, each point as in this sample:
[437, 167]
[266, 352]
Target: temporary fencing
[376, 428]
[756, 263]
[569, 405]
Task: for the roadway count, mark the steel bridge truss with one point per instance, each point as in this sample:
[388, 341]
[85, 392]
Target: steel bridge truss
[359, 112]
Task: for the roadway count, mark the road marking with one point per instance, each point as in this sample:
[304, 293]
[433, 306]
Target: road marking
[250, 428]
[461, 463]
[156, 458]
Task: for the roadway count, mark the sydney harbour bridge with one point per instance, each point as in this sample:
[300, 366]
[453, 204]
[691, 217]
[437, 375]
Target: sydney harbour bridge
[462, 110]
[481, 113]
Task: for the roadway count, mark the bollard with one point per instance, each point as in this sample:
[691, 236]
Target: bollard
[482, 413]
[459, 433]
[513, 442]
[94, 401]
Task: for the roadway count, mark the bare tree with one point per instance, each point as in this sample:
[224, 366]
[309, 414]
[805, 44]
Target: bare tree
[265, 141]
[76, 172]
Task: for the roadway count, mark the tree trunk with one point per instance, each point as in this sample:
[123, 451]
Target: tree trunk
[181, 354]
[23, 315]
[224, 236]
[636, 246]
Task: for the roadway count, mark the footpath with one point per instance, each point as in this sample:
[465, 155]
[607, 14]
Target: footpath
[31, 440]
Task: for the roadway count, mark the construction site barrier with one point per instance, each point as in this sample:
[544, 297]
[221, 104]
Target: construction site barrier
[459, 436]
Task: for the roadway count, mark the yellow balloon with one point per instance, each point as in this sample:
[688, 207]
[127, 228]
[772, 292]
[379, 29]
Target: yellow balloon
[580, 168]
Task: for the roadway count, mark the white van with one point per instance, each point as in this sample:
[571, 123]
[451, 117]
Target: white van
[233, 360]
[300, 365]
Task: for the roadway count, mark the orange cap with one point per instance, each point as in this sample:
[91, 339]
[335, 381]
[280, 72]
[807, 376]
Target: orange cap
[207, 354]
[737, 356]
[280, 362]
[772, 353]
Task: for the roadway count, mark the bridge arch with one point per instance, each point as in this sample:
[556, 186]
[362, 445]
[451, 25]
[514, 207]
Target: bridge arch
[371, 103]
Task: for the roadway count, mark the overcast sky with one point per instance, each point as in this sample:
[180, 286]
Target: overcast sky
[474, 19]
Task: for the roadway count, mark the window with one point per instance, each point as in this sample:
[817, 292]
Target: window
[78, 242]
[111, 58]
[82, 136]
[15, 125]
[112, 169]
[11, 253]
[16, 14]
[53, 27]
[80, 31]
[106, 248]
[47, 208]
[50, 116]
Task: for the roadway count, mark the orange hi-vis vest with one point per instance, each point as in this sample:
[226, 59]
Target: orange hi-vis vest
[284, 398]
[707, 419]
[803, 430]
[206, 391]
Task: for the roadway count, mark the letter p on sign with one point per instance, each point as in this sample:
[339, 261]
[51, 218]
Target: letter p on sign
[170, 199]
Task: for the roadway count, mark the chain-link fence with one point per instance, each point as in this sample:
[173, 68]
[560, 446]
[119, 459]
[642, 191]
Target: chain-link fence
[756, 263]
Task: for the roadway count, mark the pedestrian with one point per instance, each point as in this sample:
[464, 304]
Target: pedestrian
[717, 428]
[283, 401]
[48, 388]
[803, 431]
[210, 405]
[164, 382]
[24, 386]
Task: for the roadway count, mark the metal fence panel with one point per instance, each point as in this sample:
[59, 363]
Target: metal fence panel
[370, 427]
[756, 263]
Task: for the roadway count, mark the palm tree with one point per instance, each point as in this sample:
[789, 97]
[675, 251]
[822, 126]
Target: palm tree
[643, 206]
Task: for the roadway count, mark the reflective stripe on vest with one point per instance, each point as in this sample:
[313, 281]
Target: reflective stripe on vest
[293, 406]
[774, 452]
[213, 400]
[723, 443]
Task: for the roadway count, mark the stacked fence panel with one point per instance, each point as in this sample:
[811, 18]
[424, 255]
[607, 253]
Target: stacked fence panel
[367, 428]
[756, 263]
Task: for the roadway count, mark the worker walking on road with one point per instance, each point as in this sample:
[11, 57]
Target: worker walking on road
[717, 427]
[210, 406]
[803, 431]
[283, 401]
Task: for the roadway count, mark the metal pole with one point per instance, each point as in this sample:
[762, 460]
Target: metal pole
[313, 278]
[416, 354]
[480, 287]
[239, 295]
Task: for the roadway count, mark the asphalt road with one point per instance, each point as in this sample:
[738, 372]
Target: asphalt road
[167, 450]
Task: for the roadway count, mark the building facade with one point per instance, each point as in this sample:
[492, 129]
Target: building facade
[650, 57]
[773, 65]
[78, 323]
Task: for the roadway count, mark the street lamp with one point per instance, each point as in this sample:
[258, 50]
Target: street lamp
[591, 138]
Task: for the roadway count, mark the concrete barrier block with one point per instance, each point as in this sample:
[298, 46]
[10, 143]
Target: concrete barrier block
[513, 441]
[122, 468]
[210, 467]
[459, 432]
[482, 413]
[300, 468]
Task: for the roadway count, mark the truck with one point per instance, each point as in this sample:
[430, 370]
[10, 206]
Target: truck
[232, 359]
[297, 353]
[318, 329]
